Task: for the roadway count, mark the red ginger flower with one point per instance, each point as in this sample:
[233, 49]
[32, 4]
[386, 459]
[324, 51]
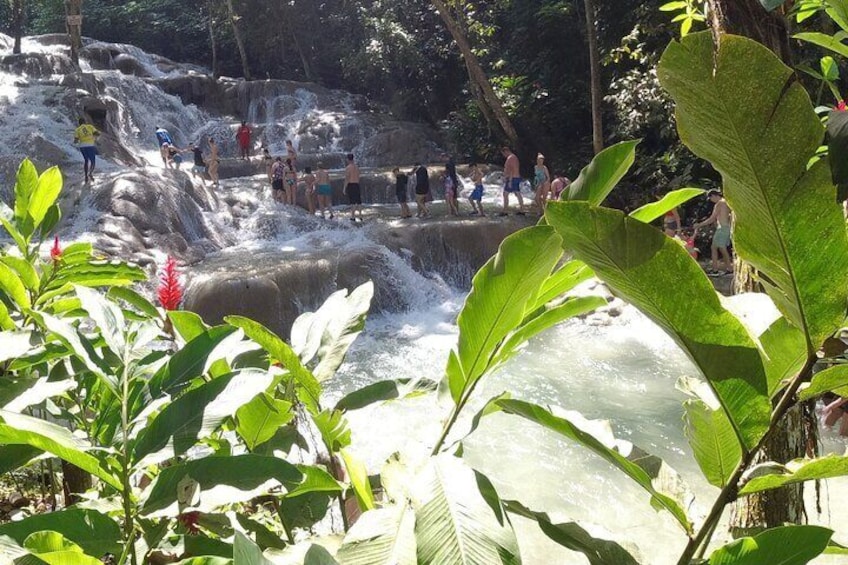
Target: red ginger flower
[170, 290]
[56, 251]
[842, 106]
[189, 521]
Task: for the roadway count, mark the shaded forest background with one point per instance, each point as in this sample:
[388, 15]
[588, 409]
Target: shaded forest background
[400, 55]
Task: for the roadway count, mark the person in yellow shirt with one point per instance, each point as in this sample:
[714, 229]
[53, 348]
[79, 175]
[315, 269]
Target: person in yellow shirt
[84, 138]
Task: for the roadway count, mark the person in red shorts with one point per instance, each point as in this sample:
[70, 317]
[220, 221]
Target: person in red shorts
[243, 138]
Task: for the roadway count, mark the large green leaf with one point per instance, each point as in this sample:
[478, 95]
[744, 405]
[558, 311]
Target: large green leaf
[571, 535]
[13, 344]
[197, 414]
[385, 536]
[55, 549]
[25, 271]
[208, 483]
[713, 441]
[382, 391]
[642, 265]
[329, 332]
[258, 420]
[759, 130]
[16, 394]
[280, 351]
[45, 194]
[25, 183]
[334, 430]
[245, 552]
[562, 280]
[188, 363]
[188, 324]
[134, 299]
[454, 523]
[830, 42]
[600, 176]
[655, 210]
[500, 295]
[785, 349]
[107, 315]
[95, 533]
[834, 379]
[11, 284]
[13, 457]
[771, 475]
[18, 429]
[789, 545]
[636, 464]
[359, 481]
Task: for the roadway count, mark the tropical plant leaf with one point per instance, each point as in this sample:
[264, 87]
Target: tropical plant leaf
[11, 284]
[330, 331]
[600, 176]
[94, 532]
[205, 484]
[245, 552]
[13, 457]
[280, 351]
[454, 523]
[789, 545]
[770, 476]
[107, 316]
[713, 441]
[333, 428]
[497, 304]
[562, 280]
[55, 549]
[18, 429]
[16, 394]
[25, 183]
[785, 349]
[358, 474]
[188, 324]
[382, 391]
[134, 299]
[655, 210]
[258, 420]
[571, 535]
[188, 363]
[833, 379]
[636, 464]
[829, 42]
[759, 130]
[14, 344]
[385, 536]
[641, 264]
[24, 269]
[197, 414]
[46, 192]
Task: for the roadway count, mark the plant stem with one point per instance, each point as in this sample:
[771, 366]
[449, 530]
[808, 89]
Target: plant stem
[729, 493]
[286, 527]
[126, 490]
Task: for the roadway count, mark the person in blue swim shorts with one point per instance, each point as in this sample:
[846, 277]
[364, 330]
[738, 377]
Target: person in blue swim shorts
[512, 181]
[84, 138]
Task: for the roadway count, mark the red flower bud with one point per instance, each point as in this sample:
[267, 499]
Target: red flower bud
[189, 521]
[170, 290]
[56, 251]
[841, 106]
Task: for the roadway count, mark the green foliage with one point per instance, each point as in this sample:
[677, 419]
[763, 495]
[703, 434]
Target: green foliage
[790, 545]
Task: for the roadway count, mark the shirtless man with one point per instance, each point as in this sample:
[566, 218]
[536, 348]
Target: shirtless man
[352, 189]
[721, 239]
[212, 164]
[325, 191]
[512, 181]
[309, 181]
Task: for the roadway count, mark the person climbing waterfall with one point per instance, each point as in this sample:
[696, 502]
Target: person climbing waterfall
[309, 191]
[325, 190]
[512, 181]
[452, 196]
[541, 183]
[199, 167]
[212, 167]
[401, 182]
[84, 138]
[163, 138]
[278, 173]
[476, 198]
[243, 138]
[422, 189]
[267, 160]
[291, 154]
[352, 188]
[291, 182]
[721, 239]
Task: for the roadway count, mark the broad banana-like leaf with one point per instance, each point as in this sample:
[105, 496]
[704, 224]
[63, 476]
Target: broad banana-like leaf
[655, 210]
[208, 483]
[14, 344]
[18, 429]
[655, 274]
[637, 464]
[280, 351]
[197, 414]
[134, 299]
[773, 475]
[382, 391]
[455, 524]
[788, 545]
[106, 315]
[571, 535]
[26, 182]
[562, 280]
[759, 130]
[500, 296]
[245, 552]
[834, 379]
[55, 549]
[359, 481]
[829, 42]
[599, 177]
[95, 533]
[188, 363]
[329, 332]
[713, 440]
[385, 536]
[258, 420]
[18, 394]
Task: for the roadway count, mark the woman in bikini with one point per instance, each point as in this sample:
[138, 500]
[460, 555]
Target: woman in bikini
[291, 183]
[541, 182]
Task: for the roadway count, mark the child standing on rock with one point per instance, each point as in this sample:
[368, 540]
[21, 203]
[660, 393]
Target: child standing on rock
[476, 198]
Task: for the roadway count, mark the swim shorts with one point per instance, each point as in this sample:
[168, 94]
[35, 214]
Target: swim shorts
[277, 184]
[514, 185]
[400, 193]
[89, 152]
[199, 169]
[721, 237]
[354, 193]
[477, 194]
[325, 190]
[290, 182]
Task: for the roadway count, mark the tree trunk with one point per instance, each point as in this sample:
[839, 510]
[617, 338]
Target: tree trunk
[482, 89]
[73, 12]
[239, 41]
[75, 481]
[210, 7]
[595, 72]
[307, 69]
[797, 433]
[17, 24]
